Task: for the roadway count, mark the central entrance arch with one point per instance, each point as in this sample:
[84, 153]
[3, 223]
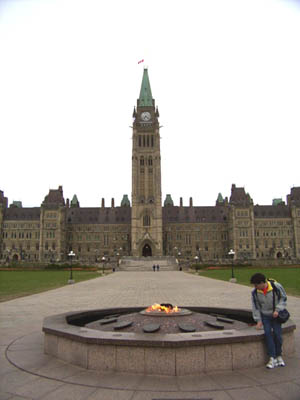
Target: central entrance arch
[147, 251]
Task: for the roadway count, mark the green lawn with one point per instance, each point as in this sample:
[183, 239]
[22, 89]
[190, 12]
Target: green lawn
[288, 277]
[23, 283]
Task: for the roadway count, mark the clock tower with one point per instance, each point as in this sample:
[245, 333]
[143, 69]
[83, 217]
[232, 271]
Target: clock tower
[146, 216]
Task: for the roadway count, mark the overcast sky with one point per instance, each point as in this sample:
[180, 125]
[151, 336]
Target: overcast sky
[224, 74]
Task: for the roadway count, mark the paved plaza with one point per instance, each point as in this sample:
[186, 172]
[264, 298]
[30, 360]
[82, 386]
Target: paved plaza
[27, 373]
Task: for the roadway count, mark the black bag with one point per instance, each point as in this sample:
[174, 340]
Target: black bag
[283, 316]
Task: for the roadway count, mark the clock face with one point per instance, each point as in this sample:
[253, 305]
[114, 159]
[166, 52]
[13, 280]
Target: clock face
[146, 116]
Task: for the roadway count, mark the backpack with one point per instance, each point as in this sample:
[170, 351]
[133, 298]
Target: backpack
[275, 291]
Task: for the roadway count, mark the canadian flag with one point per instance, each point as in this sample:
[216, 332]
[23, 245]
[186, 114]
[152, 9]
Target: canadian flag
[141, 61]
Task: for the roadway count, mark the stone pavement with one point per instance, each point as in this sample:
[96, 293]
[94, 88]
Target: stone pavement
[27, 373]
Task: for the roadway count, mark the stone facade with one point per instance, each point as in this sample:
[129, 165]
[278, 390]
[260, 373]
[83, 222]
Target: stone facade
[146, 228]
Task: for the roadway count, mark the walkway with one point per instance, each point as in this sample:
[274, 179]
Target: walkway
[32, 375]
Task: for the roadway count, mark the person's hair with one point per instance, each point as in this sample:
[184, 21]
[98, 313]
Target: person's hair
[257, 278]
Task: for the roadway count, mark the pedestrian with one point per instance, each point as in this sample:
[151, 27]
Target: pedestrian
[269, 297]
[153, 267]
[157, 267]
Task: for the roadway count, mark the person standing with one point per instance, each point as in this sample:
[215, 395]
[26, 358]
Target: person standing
[269, 297]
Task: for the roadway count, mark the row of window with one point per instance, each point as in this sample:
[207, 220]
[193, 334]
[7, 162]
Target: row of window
[97, 228]
[146, 140]
[20, 235]
[266, 244]
[279, 233]
[242, 213]
[198, 236]
[96, 237]
[21, 226]
[146, 161]
[51, 215]
[272, 223]
[142, 170]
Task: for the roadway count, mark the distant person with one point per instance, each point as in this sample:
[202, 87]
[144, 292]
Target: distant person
[153, 268]
[157, 267]
[265, 309]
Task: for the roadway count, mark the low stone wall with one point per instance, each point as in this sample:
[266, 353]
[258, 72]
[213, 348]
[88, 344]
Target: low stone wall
[159, 354]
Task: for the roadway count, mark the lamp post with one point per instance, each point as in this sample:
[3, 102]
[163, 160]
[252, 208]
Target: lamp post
[71, 255]
[231, 254]
[8, 255]
[103, 259]
[196, 258]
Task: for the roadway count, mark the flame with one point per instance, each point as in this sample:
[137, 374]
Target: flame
[162, 308]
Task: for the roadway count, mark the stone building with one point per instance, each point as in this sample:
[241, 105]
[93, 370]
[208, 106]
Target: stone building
[146, 227]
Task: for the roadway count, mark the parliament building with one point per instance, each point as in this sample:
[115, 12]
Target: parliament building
[145, 227]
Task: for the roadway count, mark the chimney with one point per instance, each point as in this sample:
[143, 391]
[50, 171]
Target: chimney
[103, 202]
[112, 203]
[191, 202]
[180, 202]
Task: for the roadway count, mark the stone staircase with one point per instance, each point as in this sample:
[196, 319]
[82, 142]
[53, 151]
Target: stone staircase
[166, 263]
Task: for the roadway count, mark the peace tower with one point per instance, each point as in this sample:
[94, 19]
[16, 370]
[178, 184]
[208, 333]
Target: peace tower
[146, 215]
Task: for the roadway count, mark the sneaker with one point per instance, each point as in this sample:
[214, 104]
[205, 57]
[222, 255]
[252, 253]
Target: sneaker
[272, 363]
[280, 362]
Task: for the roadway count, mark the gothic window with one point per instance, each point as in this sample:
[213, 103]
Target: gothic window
[142, 161]
[144, 141]
[152, 144]
[140, 141]
[146, 220]
[150, 161]
[147, 140]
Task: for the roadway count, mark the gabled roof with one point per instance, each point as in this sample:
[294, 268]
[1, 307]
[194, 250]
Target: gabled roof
[103, 215]
[175, 214]
[15, 213]
[54, 198]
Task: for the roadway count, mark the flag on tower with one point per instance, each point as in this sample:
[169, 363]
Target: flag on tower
[141, 61]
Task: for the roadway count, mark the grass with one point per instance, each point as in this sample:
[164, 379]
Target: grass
[15, 284]
[288, 277]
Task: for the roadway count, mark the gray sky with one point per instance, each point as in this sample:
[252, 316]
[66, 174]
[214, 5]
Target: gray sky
[224, 74]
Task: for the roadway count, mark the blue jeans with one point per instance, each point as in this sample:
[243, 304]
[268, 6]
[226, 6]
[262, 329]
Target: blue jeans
[273, 336]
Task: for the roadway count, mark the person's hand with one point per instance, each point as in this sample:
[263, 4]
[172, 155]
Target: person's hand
[275, 314]
[259, 325]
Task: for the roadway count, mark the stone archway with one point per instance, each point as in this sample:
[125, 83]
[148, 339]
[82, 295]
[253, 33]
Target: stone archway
[147, 251]
[279, 254]
[15, 257]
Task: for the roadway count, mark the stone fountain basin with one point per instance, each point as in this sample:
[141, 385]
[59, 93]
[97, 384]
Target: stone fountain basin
[67, 338]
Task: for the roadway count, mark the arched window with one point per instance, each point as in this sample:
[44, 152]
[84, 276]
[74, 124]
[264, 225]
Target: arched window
[146, 220]
[142, 161]
[150, 161]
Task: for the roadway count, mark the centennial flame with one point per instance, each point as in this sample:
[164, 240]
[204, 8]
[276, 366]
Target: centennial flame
[167, 308]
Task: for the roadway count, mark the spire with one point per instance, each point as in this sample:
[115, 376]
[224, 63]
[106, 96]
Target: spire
[145, 99]
[74, 201]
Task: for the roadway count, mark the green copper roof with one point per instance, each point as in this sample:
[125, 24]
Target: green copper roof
[17, 204]
[168, 201]
[275, 202]
[125, 201]
[220, 198]
[145, 99]
[74, 201]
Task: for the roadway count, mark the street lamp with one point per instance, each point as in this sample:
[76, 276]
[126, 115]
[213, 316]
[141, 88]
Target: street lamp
[71, 255]
[231, 254]
[103, 259]
[196, 258]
